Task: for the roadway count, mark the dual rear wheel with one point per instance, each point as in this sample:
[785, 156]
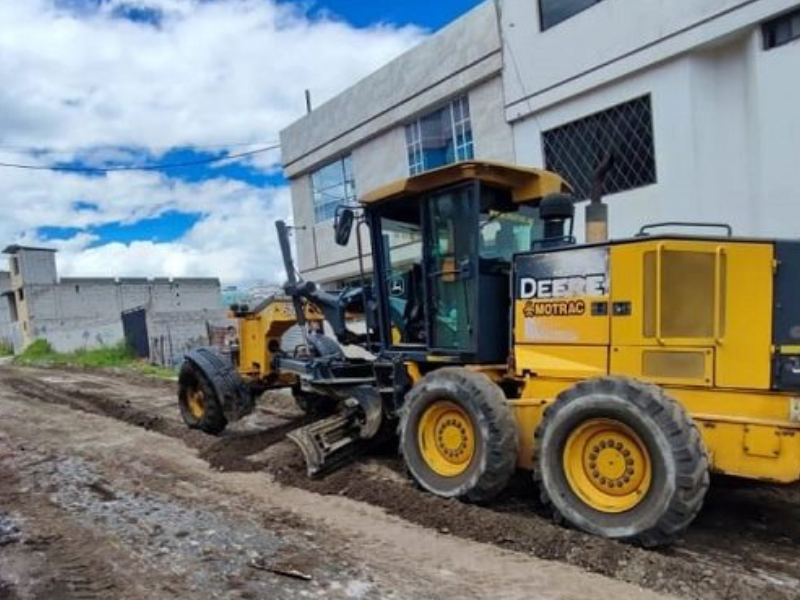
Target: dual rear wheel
[613, 456]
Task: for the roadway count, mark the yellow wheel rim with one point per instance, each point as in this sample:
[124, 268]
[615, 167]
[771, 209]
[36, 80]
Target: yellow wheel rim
[446, 438]
[607, 465]
[196, 401]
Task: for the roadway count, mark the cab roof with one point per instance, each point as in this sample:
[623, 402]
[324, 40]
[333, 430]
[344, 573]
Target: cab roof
[526, 184]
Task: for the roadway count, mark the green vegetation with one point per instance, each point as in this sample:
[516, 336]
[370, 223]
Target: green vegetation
[41, 354]
[6, 349]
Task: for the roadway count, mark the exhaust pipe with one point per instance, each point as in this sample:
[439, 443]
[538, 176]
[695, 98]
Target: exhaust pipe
[596, 210]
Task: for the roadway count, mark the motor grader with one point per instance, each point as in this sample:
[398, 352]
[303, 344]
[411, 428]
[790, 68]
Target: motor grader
[619, 373]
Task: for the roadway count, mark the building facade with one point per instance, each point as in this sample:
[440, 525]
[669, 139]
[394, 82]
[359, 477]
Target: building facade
[162, 317]
[696, 102]
[6, 306]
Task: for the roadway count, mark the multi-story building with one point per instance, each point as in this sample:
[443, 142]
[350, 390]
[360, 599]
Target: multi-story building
[697, 102]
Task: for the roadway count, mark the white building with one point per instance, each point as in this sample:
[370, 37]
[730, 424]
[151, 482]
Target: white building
[697, 100]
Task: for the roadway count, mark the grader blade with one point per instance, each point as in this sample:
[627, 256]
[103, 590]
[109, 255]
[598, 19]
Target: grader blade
[326, 444]
[329, 443]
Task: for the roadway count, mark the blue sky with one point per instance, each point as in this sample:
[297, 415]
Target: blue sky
[429, 14]
[107, 82]
[173, 225]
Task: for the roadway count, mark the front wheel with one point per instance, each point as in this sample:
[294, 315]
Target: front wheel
[199, 405]
[458, 436]
[619, 458]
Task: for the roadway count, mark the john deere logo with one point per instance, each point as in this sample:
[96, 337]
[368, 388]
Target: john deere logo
[563, 287]
[555, 308]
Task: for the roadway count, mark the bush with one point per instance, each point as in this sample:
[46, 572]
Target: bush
[39, 352]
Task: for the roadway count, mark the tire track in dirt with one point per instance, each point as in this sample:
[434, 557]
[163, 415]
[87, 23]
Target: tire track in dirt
[698, 567]
[63, 561]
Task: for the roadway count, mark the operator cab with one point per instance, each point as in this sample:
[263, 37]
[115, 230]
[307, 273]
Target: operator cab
[443, 244]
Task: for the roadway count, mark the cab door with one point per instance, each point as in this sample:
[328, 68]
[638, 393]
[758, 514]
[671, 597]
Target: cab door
[451, 270]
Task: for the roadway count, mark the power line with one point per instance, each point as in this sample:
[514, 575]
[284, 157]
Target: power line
[150, 167]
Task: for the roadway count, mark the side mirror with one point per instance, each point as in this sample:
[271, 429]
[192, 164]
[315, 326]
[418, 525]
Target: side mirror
[343, 226]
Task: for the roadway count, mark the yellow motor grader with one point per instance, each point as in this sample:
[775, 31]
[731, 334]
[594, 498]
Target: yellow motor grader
[620, 374]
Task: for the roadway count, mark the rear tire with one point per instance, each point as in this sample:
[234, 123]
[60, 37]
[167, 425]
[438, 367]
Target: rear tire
[619, 458]
[458, 436]
[199, 405]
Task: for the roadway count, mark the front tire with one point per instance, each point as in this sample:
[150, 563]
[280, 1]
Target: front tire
[458, 436]
[199, 405]
[619, 458]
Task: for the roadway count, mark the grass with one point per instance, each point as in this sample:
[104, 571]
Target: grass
[41, 354]
[6, 349]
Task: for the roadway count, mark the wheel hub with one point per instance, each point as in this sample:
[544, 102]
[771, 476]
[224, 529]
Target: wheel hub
[196, 401]
[607, 465]
[446, 438]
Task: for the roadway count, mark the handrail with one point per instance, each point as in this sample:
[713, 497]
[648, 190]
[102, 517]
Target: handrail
[659, 266]
[718, 294]
[643, 232]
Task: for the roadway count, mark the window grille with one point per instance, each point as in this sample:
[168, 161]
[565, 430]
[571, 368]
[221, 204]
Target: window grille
[575, 150]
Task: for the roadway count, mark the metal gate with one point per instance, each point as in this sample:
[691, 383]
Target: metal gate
[134, 327]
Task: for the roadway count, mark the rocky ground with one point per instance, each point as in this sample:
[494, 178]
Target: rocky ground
[105, 494]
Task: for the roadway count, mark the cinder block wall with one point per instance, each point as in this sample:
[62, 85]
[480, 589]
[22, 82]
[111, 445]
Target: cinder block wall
[82, 313]
[172, 334]
[6, 336]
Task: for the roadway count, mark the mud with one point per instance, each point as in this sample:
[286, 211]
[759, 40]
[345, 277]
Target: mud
[744, 545]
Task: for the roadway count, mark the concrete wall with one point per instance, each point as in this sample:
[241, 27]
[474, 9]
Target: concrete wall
[78, 313]
[368, 121]
[377, 162]
[36, 266]
[725, 123]
[74, 313]
[172, 334]
[5, 309]
[457, 58]
[725, 118]
[609, 41]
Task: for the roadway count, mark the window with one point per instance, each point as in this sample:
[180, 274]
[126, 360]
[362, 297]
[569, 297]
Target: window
[332, 186]
[21, 294]
[782, 30]
[440, 138]
[575, 150]
[553, 12]
[15, 265]
[403, 284]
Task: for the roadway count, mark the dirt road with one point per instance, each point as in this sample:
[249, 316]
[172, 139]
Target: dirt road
[105, 494]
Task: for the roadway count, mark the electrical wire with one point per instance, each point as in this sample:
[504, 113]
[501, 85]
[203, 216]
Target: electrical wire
[146, 167]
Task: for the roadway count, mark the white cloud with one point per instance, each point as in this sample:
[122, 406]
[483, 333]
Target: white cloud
[93, 85]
